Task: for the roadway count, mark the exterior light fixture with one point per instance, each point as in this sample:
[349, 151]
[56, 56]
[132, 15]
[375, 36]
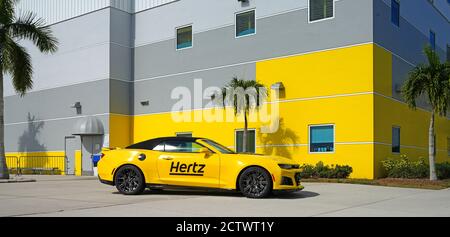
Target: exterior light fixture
[278, 86]
[77, 106]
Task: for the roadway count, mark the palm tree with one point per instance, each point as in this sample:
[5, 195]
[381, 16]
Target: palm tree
[244, 96]
[432, 80]
[15, 60]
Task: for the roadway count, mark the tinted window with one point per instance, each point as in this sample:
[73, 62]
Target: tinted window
[395, 12]
[245, 23]
[159, 147]
[182, 146]
[448, 146]
[448, 53]
[184, 37]
[186, 134]
[433, 40]
[320, 9]
[146, 145]
[321, 139]
[251, 138]
[396, 140]
[219, 147]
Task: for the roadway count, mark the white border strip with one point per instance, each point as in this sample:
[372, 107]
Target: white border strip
[348, 143]
[56, 119]
[201, 109]
[296, 100]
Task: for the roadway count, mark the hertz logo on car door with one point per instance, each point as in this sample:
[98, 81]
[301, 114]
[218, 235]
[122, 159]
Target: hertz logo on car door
[187, 170]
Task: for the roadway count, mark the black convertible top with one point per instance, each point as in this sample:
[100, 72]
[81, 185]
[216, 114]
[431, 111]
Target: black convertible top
[152, 143]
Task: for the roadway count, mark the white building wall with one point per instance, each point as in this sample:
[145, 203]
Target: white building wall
[54, 11]
[141, 5]
[204, 15]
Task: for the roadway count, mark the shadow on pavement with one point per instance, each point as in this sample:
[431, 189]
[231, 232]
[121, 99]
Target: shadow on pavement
[295, 195]
[220, 193]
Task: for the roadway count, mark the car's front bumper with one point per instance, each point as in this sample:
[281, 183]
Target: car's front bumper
[288, 180]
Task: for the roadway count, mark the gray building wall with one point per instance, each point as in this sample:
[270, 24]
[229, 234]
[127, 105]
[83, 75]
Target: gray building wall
[121, 62]
[111, 59]
[79, 72]
[282, 29]
[55, 11]
[407, 41]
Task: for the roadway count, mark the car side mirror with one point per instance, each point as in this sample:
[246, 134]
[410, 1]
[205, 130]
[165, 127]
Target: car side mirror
[205, 151]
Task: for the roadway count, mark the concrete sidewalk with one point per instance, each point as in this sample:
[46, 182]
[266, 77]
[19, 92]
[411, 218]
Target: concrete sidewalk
[85, 196]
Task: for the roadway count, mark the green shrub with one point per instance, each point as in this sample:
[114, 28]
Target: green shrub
[406, 169]
[325, 171]
[308, 171]
[443, 170]
[342, 172]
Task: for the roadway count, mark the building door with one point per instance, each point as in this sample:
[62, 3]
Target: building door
[72, 145]
[91, 145]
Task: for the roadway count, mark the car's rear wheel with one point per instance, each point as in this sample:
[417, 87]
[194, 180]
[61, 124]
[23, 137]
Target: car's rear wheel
[129, 180]
[255, 182]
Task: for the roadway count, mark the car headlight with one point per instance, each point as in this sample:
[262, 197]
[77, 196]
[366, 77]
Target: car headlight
[288, 167]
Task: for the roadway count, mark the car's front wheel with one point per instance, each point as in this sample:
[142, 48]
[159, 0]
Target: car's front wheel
[129, 180]
[255, 182]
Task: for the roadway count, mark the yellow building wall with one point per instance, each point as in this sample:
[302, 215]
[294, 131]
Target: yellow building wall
[350, 88]
[121, 130]
[328, 73]
[414, 124]
[44, 160]
[331, 87]
[78, 165]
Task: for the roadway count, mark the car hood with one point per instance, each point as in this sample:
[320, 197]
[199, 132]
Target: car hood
[278, 159]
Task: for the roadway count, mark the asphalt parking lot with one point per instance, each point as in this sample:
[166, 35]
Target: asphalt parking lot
[73, 196]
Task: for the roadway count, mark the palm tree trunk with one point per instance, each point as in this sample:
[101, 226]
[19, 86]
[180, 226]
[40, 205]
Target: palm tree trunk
[432, 149]
[244, 137]
[4, 173]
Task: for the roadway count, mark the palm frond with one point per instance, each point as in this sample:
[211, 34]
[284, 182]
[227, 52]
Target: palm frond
[30, 27]
[415, 86]
[432, 57]
[7, 8]
[432, 80]
[17, 62]
[243, 95]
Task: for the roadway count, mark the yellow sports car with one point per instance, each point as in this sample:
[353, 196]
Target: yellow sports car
[195, 162]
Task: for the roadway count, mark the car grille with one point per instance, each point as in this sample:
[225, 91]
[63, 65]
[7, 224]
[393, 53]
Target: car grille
[287, 181]
[298, 178]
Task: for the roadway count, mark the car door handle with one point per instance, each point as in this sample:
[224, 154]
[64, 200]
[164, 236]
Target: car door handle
[166, 157]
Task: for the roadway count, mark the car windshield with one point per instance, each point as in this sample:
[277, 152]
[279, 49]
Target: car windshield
[221, 148]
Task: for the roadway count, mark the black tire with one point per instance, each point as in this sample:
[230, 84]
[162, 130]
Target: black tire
[255, 182]
[129, 180]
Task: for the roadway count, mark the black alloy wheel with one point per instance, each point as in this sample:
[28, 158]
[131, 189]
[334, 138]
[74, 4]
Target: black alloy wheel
[129, 180]
[255, 182]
